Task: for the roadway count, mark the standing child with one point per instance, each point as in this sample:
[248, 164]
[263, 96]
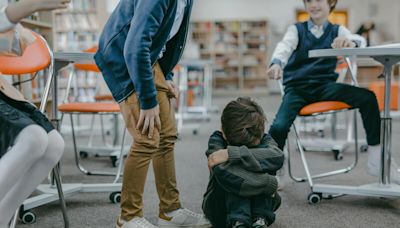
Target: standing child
[141, 44]
[309, 80]
[243, 161]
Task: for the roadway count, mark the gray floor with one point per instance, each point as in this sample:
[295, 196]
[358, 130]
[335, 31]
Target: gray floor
[95, 209]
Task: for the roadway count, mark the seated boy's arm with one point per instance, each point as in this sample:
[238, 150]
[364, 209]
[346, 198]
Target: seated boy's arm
[346, 39]
[243, 182]
[216, 142]
[267, 157]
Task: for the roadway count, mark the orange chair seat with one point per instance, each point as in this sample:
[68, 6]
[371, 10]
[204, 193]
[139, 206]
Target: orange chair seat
[83, 107]
[104, 97]
[88, 66]
[323, 106]
[36, 57]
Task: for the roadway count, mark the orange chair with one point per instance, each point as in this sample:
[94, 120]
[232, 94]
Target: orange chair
[92, 108]
[316, 109]
[36, 57]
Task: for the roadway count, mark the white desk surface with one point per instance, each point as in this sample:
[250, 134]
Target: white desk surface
[362, 52]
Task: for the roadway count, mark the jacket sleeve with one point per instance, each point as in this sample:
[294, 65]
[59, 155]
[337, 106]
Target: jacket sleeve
[244, 183]
[216, 142]
[267, 157]
[144, 26]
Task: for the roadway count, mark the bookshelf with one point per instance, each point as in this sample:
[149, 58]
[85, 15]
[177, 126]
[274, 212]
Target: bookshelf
[77, 28]
[238, 50]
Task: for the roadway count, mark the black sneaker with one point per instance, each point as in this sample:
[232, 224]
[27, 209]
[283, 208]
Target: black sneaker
[239, 224]
[259, 223]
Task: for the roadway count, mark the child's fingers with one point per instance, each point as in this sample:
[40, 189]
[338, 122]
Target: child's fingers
[146, 125]
[139, 124]
[151, 129]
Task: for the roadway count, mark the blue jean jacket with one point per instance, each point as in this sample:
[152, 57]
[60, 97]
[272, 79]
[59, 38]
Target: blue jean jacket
[131, 42]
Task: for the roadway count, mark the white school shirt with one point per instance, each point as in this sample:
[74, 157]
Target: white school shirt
[5, 24]
[180, 13]
[289, 43]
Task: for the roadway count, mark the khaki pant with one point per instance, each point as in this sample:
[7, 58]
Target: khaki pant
[159, 149]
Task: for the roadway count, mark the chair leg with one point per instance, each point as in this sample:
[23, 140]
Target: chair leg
[57, 178]
[310, 178]
[13, 221]
[77, 162]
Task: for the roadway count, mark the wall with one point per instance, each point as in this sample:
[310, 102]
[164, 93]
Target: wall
[281, 13]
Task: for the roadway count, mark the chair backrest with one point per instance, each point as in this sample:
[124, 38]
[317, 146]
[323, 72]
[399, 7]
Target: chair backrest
[36, 57]
[89, 66]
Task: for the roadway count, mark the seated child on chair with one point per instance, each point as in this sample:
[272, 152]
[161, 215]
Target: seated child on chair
[29, 145]
[308, 80]
[243, 161]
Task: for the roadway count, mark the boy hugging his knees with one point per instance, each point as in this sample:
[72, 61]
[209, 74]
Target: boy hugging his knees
[243, 161]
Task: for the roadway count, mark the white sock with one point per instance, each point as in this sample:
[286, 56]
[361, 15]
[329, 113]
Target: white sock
[374, 164]
[374, 160]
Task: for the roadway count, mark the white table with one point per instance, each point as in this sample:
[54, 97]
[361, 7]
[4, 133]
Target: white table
[388, 56]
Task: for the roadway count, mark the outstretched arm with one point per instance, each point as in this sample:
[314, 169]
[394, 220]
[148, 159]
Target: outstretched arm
[18, 10]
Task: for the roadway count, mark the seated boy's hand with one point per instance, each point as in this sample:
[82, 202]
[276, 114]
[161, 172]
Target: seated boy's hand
[343, 42]
[274, 72]
[217, 158]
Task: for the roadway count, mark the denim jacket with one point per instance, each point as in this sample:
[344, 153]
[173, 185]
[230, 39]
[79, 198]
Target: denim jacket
[131, 42]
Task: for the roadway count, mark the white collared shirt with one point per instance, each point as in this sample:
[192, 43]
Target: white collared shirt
[5, 24]
[180, 13]
[289, 43]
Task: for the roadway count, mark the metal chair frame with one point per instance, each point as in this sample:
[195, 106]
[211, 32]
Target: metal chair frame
[309, 177]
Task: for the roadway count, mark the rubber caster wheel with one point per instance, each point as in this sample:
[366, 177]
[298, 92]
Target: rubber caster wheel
[363, 148]
[83, 154]
[114, 161]
[338, 155]
[27, 217]
[314, 198]
[115, 197]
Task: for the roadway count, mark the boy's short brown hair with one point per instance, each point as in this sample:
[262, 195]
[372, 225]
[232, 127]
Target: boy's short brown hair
[332, 4]
[243, 122]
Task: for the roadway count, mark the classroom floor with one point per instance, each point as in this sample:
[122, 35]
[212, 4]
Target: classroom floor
[95, 210]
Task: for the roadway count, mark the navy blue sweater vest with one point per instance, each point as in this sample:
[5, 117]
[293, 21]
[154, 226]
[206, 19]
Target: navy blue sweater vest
[301, 69]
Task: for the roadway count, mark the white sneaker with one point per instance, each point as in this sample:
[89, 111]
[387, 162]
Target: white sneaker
[137, 222]
[183, 218]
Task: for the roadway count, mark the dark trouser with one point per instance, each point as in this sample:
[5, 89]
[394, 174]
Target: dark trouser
[296, 97]
[246, 209]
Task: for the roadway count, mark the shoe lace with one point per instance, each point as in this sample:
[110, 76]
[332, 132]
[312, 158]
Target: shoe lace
[192, 214]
